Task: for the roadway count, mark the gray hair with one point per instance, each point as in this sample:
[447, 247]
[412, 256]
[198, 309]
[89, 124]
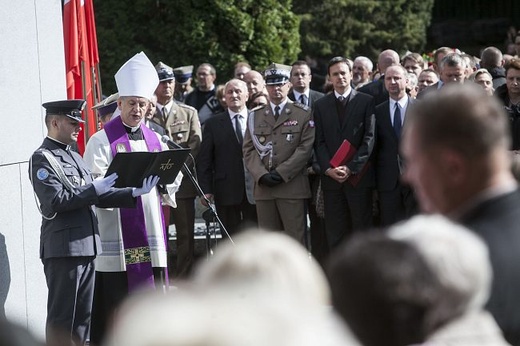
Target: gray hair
[366, 62]
[458, 257]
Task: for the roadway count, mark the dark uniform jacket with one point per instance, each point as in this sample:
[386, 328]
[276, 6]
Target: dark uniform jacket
[73, 231]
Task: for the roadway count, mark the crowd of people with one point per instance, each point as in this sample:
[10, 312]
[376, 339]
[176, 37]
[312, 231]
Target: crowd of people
[334, 180]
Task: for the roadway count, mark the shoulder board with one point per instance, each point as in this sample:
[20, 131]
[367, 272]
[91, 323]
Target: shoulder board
[183, 105]
[258, 108]
[301, 105]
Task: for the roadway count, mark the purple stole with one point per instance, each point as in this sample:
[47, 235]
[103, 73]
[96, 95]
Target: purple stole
[135, 241]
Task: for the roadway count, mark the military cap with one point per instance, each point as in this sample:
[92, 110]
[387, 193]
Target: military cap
[183, 74]
[277, 74]
[107, 106]
[164, 72]
[69, 108]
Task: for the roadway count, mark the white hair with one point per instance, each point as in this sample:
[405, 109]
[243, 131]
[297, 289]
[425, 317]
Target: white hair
[366, 62]
[458, 257]
[264, 261]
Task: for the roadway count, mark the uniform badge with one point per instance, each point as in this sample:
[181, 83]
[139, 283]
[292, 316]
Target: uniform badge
[311, 123]
[179, 135]
[261, 139]
[42, 174]
[287, 110]
[120, 148]
[75, 180]
[289, 137]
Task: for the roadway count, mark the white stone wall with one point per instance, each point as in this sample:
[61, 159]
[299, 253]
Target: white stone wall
[32, 71]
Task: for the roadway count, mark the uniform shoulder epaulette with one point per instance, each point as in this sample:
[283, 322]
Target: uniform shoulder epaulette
[183, 105]
[301, 105]
[258, 108]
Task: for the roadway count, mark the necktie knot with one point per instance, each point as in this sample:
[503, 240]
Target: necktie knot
[303, 99]
[276, 112]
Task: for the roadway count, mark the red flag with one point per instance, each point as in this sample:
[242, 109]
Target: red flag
[78, 64]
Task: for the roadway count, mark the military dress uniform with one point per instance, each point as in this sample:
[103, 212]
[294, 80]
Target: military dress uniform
[69, 239]
[183, 127]
[284, 145]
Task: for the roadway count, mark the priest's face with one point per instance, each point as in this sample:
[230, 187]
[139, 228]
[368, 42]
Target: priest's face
[133, 109]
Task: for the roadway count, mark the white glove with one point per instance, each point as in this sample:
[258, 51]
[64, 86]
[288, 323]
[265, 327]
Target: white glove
[103, 185]
[148, 184]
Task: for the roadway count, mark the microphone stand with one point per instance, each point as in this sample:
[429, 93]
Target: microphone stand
[211, 206]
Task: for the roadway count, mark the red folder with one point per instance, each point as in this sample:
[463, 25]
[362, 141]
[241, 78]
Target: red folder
[343, 155]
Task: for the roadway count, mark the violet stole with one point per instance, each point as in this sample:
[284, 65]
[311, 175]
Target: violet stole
[132, 219]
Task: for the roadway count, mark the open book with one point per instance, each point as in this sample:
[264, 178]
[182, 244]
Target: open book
[133, 167]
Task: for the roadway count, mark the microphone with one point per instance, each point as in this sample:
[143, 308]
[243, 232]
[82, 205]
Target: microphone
[170, 143]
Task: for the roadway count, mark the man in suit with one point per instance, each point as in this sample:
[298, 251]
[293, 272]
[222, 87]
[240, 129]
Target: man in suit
[395, 199]
[301, 80]
[452, 70]
[455, 144]
[220, 167]
[361, 72]
[377, 88]
[203, 98]
[300, 92]
[69, 233]
[182, 125]
[345, 114]
[277, 146]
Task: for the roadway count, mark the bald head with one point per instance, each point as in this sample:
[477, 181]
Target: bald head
[387, 58]
[255, 82]
[491, 57]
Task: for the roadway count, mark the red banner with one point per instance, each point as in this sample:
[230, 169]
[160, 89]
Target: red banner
[81, 61]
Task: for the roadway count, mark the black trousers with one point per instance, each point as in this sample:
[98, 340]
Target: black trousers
[70, 281]
[346, 210]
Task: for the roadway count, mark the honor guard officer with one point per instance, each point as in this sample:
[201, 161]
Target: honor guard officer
[106, 109]
[183, 127]
[277, 146]
[69, 238]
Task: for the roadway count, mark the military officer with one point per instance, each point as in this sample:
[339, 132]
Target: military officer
[69, 238]
[277, 146]
[183, 77]
[183, 127]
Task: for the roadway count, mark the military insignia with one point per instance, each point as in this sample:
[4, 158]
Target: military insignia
[75, 180]
[311, 123]
[289, 137]
[180, 135]
[267, 111]
[301, 105]
[261, 139]
[290, 123]
[42, 174]
[178, 122]
[287, 110]
[120, 148]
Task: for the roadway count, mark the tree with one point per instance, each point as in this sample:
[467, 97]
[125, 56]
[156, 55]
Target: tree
[362, 27]
[221, 32]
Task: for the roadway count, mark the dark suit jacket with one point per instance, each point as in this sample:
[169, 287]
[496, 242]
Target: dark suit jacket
[358, 129]
[496, 221]
[386, 152]
[220, 167]
[74, 229]
[313, 97]
[377, 90]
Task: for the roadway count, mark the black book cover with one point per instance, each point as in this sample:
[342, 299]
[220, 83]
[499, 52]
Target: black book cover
[132, 168]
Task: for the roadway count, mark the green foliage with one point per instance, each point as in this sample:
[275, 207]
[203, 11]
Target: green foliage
[221, 32]
[362, 27]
